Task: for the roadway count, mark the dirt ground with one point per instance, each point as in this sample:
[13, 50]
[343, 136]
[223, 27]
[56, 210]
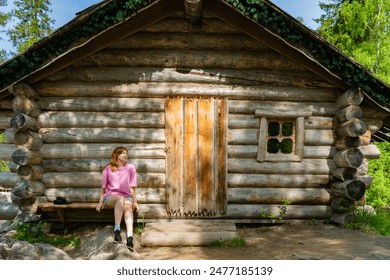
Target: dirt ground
[281, 242]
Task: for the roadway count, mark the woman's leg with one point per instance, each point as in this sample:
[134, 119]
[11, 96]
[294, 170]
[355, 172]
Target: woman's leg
[128, 215]
[116, 202]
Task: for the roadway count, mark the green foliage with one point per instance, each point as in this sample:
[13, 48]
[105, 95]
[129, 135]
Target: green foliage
[230, 243]
[378, 195]
[377, 224]
[3, 164]
[4, 18]
[38, 232]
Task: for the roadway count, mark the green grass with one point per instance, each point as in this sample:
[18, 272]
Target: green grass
[231, 243]
[38, 232]
[378, 224]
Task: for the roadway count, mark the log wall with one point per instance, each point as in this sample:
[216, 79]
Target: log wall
[117, 97]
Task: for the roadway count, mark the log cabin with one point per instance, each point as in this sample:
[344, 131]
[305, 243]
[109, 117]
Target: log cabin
[229, 111]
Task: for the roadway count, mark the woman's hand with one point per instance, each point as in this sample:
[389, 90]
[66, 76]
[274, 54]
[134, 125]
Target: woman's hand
[135, 207]
[99, 207]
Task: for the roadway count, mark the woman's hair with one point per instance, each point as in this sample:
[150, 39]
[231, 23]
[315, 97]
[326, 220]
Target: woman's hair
[114, 157]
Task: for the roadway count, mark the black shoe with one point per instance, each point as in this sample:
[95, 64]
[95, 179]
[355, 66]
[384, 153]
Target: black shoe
[129, 242]
[117, 236]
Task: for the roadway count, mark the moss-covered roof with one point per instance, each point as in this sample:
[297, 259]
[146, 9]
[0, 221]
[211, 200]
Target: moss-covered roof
[98, 18]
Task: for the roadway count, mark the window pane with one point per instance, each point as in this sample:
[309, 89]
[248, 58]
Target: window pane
[273, 129]
[286, 146]
[287, 129]
[273, 146]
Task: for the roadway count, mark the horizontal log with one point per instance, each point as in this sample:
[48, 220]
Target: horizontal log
[367, 180]
[263, 211]
[351, 128]
[345, 173]
[351, 189]
[191, 58]
[250, 137]
[306, 166]
[8, 211]
[316, 196]
[22, 89]
[97, 165]
[102, 104]
[347, 142]
[28, 139]
[277, 181]
[5, 117]
[350, 97]
[9, 134]
[26, 189]
[101, 151]
[23, 156]
[370, 151]
[23, 122]
[363, 168]
[250, 151]
[365, 139]
[188, 75]
[343, 205]
[371, 112]
[94, 180]
[250, 106]
[101, 119]
[162, 90]
[6, 151]
[144, 195]
[193, 11]
[352, 157]
[8, 179]
[30, 172]
[373, 125]
[348, 113]
[102, 135]
[23, 105]
[6, 104]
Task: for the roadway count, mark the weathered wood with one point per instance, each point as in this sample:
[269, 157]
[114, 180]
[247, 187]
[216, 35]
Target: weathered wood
[9, 134]
[351, 128]
[363, 168]
[348, 113]
[94, 180]
[21, 89]
[271, 113]
[342, 205]
[221, 175]
[30, 172]
[101, 151]
[100, 119]
[276, 180]
[325, 123]
[365, 139]
[6, 151]
[367, 180]
[373, 125]
[97, 165]
[352, 157]
[306, 166]
[313, 152]
[347, 142]
[193, 11]
[144, 195]
[370, 151]
[162, 90]
[102, 135]
[317, 196]
[28, 139]
[345, 173]
[23, 105]
[5, 117]
[250, 137]
[250, 106]
[371, 112]
[191, 75]
[191, 58]
[350, 97]
[8, 210]
[6, 104]
[23, 156]
[263, 211]
[8, 179]
[26, 189]
[102, 104]
[351, 189]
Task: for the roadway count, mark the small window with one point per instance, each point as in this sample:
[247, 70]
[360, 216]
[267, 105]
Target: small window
[281, 136]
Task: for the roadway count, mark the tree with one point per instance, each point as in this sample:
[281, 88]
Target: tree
[32, 23]
[360, 28]
[4, 17]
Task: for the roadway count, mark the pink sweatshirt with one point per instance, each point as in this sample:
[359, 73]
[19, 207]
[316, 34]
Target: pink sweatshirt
[120, 181]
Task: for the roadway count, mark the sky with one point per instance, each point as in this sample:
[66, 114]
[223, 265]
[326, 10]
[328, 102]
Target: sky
[64, 10]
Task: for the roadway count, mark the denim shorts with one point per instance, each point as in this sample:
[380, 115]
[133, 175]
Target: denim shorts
[129, 197]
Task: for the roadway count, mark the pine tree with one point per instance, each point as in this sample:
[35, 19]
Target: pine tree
[32, 23]
[4, 17]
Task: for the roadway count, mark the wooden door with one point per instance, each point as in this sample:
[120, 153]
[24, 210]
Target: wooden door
[196, 156]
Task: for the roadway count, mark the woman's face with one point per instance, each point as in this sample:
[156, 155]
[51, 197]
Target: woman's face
[123, 157]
